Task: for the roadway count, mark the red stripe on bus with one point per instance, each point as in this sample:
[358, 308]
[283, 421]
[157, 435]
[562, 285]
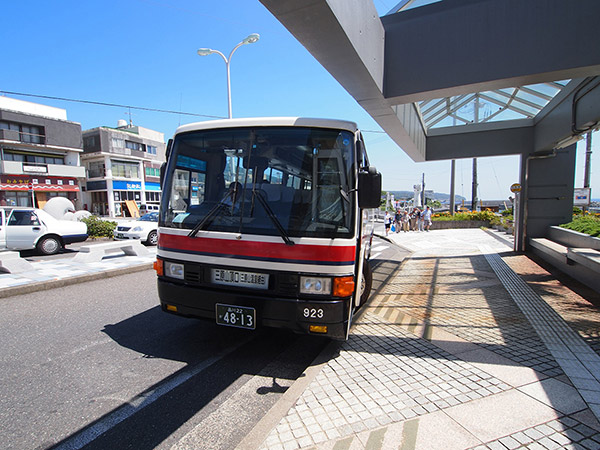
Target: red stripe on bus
[297, 252]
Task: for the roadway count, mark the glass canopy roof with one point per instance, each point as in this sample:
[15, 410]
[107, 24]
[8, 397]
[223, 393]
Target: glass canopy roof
[501, 104]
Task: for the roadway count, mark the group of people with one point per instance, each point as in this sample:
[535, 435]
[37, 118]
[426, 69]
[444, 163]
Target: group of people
[415, 220]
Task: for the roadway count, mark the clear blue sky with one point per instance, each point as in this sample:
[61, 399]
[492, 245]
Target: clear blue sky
[143, 53]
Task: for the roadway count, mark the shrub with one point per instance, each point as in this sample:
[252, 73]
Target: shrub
[584, 224]
[486, 215]
[98, 227]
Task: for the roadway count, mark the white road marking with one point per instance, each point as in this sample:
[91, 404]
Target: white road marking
[137, 403]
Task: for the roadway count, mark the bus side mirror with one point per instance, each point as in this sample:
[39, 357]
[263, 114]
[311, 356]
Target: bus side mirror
[369, 188]
[163, 167]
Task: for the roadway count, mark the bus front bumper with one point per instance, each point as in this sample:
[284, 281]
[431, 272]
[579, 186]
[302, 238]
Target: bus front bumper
[297, 315]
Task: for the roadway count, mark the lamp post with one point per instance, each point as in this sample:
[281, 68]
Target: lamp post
[251, 39]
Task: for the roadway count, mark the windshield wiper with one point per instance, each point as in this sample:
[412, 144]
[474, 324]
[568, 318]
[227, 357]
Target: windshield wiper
[215, 209]
[273, 218]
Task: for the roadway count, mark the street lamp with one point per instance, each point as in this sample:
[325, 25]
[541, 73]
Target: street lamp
[251, 39]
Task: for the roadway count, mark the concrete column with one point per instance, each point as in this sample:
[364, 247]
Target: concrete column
[548, 180]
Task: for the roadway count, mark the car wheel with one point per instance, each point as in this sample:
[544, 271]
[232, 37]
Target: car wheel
[152, 238]
[49, 245]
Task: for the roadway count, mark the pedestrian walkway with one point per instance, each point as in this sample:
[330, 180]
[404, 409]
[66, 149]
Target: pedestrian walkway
[463, 345]
[60, 272]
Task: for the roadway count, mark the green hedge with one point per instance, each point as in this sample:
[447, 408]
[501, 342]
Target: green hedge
[476, 215]
[584, 224]
[98, 227]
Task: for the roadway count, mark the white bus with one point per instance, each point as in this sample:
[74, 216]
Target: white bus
[267, 222]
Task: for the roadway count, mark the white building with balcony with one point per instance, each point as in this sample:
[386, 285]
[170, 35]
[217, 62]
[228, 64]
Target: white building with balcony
[123, 169]
[39, 154]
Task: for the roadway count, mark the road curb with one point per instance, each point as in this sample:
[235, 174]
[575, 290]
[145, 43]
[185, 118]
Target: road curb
[261, 430]
[58, 283]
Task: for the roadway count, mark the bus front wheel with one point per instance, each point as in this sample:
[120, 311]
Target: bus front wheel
[366, 280]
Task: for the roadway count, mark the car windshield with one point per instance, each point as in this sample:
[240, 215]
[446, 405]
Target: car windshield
[287, 181]
[150, 217]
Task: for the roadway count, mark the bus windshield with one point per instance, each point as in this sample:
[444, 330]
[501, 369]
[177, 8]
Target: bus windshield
[280, 181]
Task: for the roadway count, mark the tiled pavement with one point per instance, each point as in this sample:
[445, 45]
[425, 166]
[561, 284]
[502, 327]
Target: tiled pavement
[464, 345]
[65, 271]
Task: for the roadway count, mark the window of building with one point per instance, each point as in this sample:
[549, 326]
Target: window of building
[122, 196]
[117, 143]
[152, 149]
[135, 146]
[33, 158]
[152, 196]
[89, 142]
[96, 169]
[152, 172]
[27, 133]
[125, 169]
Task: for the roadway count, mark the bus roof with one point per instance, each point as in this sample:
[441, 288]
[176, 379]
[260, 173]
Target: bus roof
[269, 122]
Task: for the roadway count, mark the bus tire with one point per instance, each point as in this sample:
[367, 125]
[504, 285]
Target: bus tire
[366, 282]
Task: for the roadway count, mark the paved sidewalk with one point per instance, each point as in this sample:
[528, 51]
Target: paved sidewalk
[47, 274]
[463, 345]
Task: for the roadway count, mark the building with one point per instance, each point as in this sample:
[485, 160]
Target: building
[40, 154]
[123, 169]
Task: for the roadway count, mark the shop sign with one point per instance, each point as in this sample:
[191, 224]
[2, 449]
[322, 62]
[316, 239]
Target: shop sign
[127, 185]
[37, 183]
[581, 197]
[35, 169]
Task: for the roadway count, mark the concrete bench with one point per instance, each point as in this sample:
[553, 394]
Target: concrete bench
[587, 257]
[550, 248]
[95, 252]
[11, 262]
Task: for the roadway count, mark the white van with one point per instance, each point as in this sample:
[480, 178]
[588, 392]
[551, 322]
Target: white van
[32, 228]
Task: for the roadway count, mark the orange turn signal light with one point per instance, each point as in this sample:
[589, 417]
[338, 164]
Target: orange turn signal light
[158, 266]
[343, 286]
[172, 308]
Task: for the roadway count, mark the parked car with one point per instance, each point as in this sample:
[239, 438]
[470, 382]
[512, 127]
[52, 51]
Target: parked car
[32, 228]
[145, 229]
[144, 209]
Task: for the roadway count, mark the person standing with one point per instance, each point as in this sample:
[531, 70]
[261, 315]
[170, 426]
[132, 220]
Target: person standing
[420, 220]
[427, 218]
[387, 221]
[405, 221]
[398, 219]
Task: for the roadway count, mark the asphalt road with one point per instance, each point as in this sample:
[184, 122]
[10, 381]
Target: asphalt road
[98, 365]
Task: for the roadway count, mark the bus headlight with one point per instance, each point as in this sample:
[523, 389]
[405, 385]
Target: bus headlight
[173, 270]
[315, 285]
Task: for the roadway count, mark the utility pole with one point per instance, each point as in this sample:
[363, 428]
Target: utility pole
[474, 199]
[423, 192]
[588, 162]
[452, 172]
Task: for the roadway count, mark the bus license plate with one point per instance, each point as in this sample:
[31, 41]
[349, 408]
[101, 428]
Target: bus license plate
[236, 316]
[243, 279]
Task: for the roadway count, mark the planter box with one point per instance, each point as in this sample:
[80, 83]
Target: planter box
[574, 239]
[447, 224]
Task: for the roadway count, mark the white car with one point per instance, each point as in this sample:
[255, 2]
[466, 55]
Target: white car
[32, 228]
[144, 229]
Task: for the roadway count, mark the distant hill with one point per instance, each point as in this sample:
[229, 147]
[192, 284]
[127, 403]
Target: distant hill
[435, 196]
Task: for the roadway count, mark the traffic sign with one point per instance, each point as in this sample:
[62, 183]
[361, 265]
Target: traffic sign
[516, 187]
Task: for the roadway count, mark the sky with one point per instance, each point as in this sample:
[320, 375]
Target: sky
[142, 53]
